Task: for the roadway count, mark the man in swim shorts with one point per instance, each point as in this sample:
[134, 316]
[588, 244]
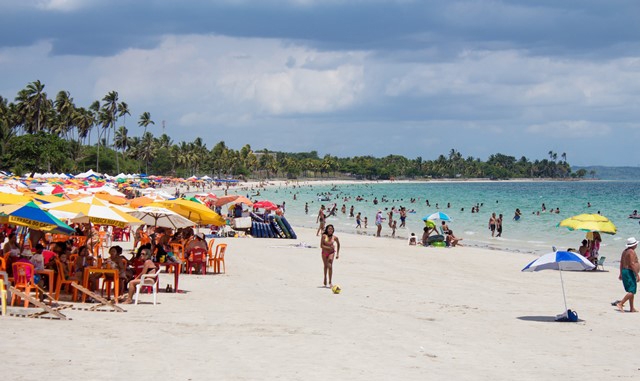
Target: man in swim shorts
[629, 268]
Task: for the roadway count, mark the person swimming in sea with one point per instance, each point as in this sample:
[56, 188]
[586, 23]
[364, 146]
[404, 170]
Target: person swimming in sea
[517, 216]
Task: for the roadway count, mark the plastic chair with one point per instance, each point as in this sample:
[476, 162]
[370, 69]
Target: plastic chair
[178, 251]
[79, 241]
[210, 252]
[219, 258]
[3, 297]
[23, 279]
[61, 281]
[197, 256]
[601, 263]
[144, 239]
[155, 277]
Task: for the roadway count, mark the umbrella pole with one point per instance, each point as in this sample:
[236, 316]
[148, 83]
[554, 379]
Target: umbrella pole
[563, 294]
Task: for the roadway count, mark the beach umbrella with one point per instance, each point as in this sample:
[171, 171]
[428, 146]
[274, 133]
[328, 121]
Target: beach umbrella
[10, 198]
[117, 200]
[589, 223]
[193, 211]
[243, 200]
[155, 216]
[31, 216]
[91, 209]
[140, 201]
[265, 205]
[560, 260]
[223, 200]
[437, 216]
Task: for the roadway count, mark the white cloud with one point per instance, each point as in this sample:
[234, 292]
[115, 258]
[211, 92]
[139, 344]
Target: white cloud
[223, 75]
[570, 129]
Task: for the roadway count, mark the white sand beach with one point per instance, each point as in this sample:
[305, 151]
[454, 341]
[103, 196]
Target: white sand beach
[404, 313]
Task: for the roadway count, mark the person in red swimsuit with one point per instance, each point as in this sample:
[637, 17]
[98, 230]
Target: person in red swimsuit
[330, 246]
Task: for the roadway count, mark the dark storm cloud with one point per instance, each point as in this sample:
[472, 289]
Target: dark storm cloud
[543, 27]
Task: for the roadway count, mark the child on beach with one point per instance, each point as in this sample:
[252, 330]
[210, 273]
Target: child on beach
[365, 222]
[393, 229]
[413, 240]
[330, 245]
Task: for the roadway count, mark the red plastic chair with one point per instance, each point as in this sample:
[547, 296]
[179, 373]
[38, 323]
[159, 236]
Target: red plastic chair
[23, 279]
[197, 256]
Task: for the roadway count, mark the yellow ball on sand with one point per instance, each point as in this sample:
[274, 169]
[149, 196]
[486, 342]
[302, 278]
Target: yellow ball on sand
[336, 289]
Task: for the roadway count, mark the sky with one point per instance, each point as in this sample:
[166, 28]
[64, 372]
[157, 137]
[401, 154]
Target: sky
[357, 77]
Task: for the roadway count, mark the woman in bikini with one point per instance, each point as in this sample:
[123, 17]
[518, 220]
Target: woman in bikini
[330, 245]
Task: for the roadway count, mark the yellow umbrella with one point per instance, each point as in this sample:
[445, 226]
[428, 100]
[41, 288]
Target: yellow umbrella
[11, 199]
[589, 223]
[91, 209]
[193, 211]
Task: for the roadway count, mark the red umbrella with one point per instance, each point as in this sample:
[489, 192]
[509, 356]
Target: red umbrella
[265, 205]
[57, 190]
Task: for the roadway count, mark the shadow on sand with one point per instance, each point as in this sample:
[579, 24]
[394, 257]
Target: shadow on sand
[543, 319]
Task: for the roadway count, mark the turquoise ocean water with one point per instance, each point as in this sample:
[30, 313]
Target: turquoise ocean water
[532, 234]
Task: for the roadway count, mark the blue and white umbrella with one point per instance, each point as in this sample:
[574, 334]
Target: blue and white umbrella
[437, 216]
[560, 260]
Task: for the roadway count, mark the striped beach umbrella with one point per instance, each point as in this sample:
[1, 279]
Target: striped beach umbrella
[437, 216]
[560, 260]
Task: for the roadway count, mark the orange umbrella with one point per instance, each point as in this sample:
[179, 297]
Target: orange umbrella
[242, 200]
[140, 201]
[111, 198]
[223, 200]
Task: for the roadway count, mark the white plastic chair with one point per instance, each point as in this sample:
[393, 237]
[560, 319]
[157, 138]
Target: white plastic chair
[154, 286]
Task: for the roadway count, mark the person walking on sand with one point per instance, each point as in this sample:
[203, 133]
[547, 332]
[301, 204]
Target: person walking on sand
[321, 220]
[629, 268]
[330, 245]
[358, 225]
[492, 224]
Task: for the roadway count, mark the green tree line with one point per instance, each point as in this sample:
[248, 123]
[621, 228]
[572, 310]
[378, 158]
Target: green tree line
[39, 133]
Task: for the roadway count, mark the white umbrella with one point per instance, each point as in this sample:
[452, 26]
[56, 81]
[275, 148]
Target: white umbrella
[155, 216]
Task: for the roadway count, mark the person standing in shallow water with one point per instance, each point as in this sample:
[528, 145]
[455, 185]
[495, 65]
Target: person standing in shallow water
[499, 226]
[492, 224]
[330, 245]
[321, 220]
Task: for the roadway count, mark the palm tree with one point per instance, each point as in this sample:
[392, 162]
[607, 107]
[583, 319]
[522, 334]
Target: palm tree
[147, 148]
[110, 107]
[104, 120]
[35, 106]
[95, 110]
[145, 120]
[65, 109]
[84, 121]
[120, 140]
[564, 157]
